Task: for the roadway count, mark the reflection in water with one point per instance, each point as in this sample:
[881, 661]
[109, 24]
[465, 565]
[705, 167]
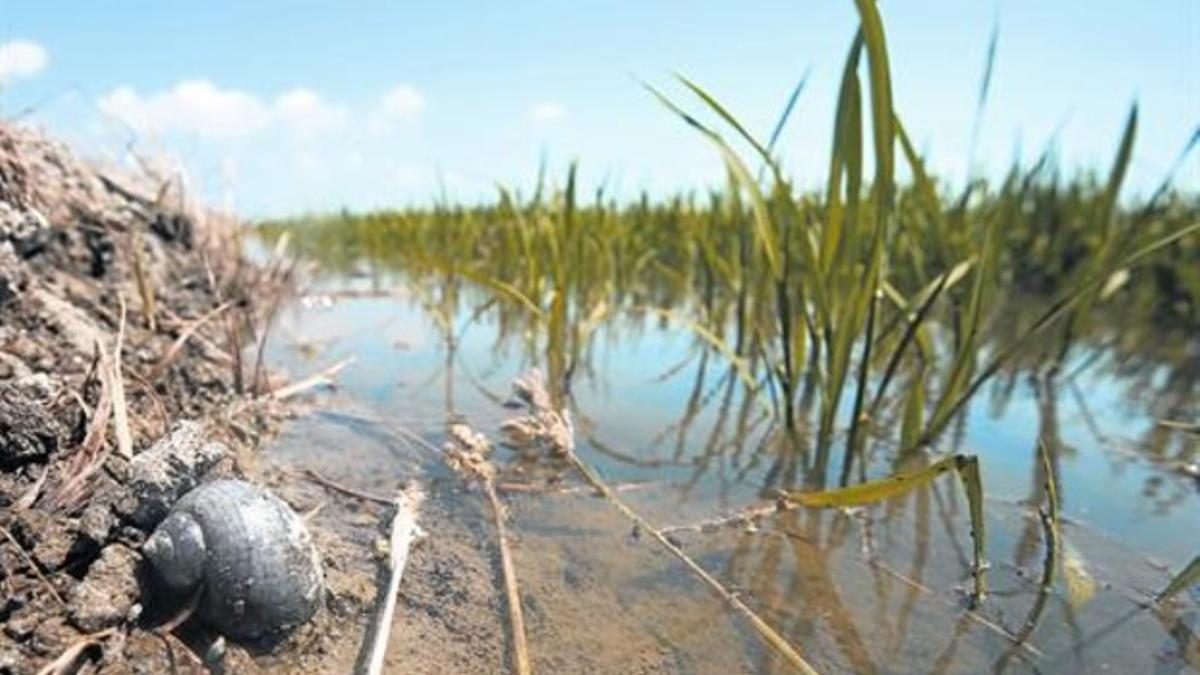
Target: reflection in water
[876, 589]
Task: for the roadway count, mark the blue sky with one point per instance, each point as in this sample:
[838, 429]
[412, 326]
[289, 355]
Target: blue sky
[280, 107]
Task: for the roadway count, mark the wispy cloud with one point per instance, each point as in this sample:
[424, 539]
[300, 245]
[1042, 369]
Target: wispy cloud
[21, 59]
[547, 111]
[401, 102]
[210, 111]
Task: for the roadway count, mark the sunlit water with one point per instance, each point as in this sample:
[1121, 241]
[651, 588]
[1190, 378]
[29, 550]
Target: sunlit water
[876, 590]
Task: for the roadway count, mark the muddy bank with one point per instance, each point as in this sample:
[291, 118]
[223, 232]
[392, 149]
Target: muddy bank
[129, 333]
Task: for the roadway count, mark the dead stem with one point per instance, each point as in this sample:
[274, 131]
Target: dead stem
[65, 663]
[404, 531]
[527, 488]
[466, 451]
[773, 638]
[117, 386]
[90, 454]
[33, 566]
[31, 495]
[515, 612]
[187, 332]
[530, 390]
[324, 377]
[340, 488]
[744, 518]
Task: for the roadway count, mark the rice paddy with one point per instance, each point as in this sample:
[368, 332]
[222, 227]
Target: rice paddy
[797, 370]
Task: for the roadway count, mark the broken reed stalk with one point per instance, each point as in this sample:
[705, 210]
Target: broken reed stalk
[466, 451]
[516, 615]
[404, 532]
[530, 389]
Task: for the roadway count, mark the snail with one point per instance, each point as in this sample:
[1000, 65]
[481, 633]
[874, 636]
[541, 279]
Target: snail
[247, 554]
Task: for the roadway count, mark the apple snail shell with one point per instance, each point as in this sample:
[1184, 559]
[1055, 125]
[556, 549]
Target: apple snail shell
[248, 554]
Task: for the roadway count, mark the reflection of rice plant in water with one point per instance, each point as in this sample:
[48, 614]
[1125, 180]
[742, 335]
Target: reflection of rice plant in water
[871, 309]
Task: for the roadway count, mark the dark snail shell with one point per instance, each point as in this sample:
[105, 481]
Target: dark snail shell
[246, 551]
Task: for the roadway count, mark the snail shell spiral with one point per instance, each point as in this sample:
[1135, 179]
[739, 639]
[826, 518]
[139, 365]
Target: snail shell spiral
[247, 552]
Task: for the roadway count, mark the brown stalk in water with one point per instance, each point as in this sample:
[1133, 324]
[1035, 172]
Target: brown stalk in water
[531, 390]
[466, 451]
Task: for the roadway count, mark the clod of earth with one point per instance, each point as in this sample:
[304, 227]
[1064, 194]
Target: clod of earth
[108, 593]
[170, 468]
[246, 552]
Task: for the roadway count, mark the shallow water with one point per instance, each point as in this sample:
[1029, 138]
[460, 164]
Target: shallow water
[880, 589]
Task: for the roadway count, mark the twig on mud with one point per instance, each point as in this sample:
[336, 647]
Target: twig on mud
[33, 566]
[65, 663]
[184, 334]
[531, 390]
[324, 377]
[404, 531]
[466, 451]
[340, 488]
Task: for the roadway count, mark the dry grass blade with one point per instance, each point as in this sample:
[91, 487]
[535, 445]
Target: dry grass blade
[325, 377]
[342, 489]
[31, 495]
[33, 566]
[65, 663]
[404, 532]
[90, 454]
[116, 385]
[180, 341]
[145, 285]
[1180, 426]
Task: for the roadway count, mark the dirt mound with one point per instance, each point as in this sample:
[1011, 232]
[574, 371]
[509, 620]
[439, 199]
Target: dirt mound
[123, 318]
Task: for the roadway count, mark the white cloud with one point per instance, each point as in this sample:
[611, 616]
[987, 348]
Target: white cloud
[21, 59]
[547, 112]
[195, 106]
[304, 111]
[401, 102]
[206, 109]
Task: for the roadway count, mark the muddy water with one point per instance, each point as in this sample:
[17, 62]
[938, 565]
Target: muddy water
[876, 590]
